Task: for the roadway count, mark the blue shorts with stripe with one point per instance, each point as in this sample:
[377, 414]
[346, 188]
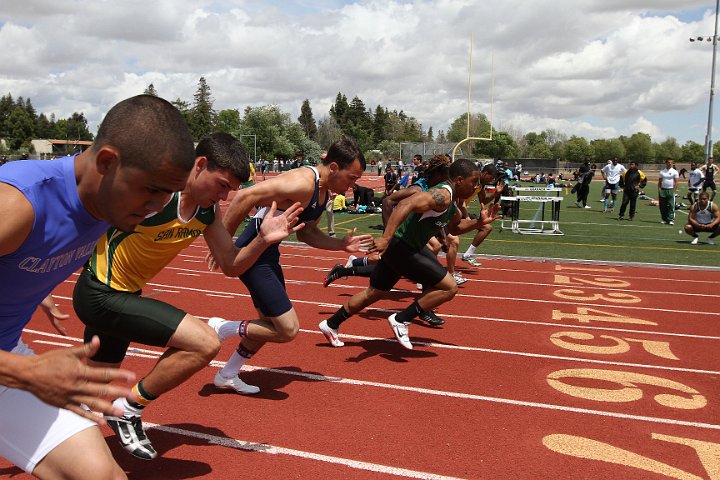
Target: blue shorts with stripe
[265, 280]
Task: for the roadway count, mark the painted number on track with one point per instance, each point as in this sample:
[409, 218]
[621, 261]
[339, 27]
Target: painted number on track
[624, 387]
[586, 448]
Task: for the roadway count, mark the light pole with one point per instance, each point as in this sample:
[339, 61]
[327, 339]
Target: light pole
[713, 39]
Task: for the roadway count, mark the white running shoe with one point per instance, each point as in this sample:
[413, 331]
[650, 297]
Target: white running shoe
[331, 334]
[588, 206]
[711, 241]
[419, 286]
[695, 240]
[216, 323]
[472, 261]
[401, 332]
[131, 435]
[236, 384]
[459, 279]
[350, 259]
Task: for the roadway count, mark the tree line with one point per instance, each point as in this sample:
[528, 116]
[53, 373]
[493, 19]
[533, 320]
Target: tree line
[20, 123]
[269, 133]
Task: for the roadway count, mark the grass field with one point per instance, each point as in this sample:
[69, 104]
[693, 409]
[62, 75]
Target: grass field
[588, 234]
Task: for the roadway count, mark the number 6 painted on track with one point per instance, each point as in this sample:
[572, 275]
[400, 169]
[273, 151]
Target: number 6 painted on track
[628, 391]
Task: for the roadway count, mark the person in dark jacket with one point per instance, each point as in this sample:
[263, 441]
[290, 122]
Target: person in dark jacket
[585, 175]
[632, 181]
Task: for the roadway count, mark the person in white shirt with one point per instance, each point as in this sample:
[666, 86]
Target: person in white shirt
[667, 186]
[695, 182]
[704, 217]
[611, 173]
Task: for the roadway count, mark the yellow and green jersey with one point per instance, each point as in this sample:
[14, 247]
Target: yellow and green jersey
[126, 261]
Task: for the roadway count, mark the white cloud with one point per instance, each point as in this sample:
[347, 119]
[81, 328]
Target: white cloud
[585, 67]
[643, 125]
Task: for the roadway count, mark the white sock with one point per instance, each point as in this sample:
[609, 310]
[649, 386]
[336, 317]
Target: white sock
[229, 329]
[470, 251]
[129, 409]
[233, 365]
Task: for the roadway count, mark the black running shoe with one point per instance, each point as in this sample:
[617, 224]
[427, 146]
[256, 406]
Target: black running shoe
[131, 435]
[431, 318]
[335, 273]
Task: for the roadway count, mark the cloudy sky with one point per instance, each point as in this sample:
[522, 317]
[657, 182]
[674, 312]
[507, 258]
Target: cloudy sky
[595, 68]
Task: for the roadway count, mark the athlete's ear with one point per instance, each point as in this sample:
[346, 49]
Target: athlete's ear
[106, 159]
[200, 164]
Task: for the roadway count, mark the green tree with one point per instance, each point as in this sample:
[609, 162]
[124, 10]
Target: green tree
[307, 121]
[389, 148]
[501, 146]
[30, 109]
[479, 127]
[540, 150]
[429, 137]
[184, 108]
[380, 120]
[605, 149]
[669, 148]
[45, 128]
[202, 118]
[276, 134]
[19, 128]
[229, 121]
[639, 147]
[692, 152]
[577, 149]
[7, 105]
[150, 90]
[340, 110]
[328, 132]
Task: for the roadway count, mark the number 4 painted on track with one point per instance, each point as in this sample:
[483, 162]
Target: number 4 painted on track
[587, 315]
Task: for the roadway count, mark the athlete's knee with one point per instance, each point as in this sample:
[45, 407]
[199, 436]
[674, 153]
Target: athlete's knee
[287, 333]
[207, 343]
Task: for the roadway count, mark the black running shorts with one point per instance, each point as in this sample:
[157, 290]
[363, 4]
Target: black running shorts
[119, 318]
[402, 260]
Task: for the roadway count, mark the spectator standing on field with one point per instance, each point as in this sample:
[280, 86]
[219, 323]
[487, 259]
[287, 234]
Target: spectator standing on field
[695, 182]
[612, 173]
[667, 187]
[709, 172]
[632, 181]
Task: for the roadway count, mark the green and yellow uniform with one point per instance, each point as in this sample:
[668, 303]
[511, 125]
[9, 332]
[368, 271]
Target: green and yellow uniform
[126, 261]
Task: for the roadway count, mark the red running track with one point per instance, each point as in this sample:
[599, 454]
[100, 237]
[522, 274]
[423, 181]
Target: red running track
[543, 370]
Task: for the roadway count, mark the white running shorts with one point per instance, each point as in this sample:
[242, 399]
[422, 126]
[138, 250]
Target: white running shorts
[30, 428]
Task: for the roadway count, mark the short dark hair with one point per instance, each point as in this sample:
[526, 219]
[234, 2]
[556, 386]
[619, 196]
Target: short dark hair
[344, 152]
[463, 168]
[225, 152]
[147, 131]
[490, 168]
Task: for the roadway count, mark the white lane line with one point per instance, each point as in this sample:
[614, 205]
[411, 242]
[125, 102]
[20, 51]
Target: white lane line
[488, 319]
[441, 393]
[275, 450]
